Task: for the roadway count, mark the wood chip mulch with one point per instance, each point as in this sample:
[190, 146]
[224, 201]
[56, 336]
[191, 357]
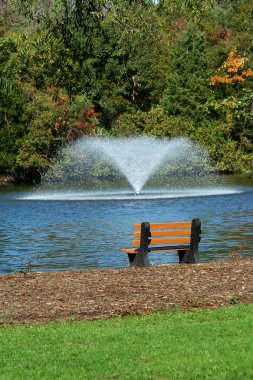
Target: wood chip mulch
[93, 294]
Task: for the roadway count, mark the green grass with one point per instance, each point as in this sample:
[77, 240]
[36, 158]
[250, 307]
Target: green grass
[214, 344]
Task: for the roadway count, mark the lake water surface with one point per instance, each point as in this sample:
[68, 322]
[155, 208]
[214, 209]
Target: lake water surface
[75, 229]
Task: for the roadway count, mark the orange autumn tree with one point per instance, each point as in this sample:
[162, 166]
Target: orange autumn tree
[232, 71]
[230, 83]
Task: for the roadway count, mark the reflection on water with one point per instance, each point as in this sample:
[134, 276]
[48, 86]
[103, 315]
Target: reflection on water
[71, 234]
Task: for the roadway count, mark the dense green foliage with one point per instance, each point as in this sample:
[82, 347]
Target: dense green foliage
[163, 68]
[200, 345]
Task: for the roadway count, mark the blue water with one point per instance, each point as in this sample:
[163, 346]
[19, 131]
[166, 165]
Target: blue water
[76, 233]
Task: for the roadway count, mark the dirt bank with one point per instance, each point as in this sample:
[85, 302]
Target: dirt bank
[92, 294]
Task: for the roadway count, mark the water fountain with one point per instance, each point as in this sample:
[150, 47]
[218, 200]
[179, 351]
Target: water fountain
[120, 168]
[96, 189]
[139, 158]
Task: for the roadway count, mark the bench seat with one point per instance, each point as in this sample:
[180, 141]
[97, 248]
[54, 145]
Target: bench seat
[182, 237]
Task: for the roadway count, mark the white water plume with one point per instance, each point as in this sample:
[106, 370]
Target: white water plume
[136, 159]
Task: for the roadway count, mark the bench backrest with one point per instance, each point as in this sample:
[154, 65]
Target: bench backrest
[163, 236]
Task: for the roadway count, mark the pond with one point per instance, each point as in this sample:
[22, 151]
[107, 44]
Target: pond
[67, 230]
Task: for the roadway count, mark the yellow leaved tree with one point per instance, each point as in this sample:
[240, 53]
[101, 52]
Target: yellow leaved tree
[232, 71]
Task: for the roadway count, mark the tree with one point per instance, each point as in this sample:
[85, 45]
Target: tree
[187, 83]
[134, 67]
[54, 120]
[233, 71]
[233, 86]
[12, 100]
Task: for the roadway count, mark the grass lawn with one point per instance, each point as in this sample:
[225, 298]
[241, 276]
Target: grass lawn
[209, 344]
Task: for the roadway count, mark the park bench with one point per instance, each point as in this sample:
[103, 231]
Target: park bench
[183, 237]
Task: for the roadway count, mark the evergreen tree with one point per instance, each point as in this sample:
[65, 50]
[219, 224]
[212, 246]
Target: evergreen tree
[187, 90]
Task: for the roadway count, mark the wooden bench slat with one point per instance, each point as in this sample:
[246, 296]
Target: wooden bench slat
[165, 233]
[130, 250]
[164, 241]
[165, 225]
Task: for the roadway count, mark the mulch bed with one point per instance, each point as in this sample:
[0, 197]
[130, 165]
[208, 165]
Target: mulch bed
[93, 294]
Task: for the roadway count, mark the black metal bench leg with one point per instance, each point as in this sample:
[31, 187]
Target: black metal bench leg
[195, 239]
[141, 259]
[191, 256]
[183, 257]
[188, 257]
